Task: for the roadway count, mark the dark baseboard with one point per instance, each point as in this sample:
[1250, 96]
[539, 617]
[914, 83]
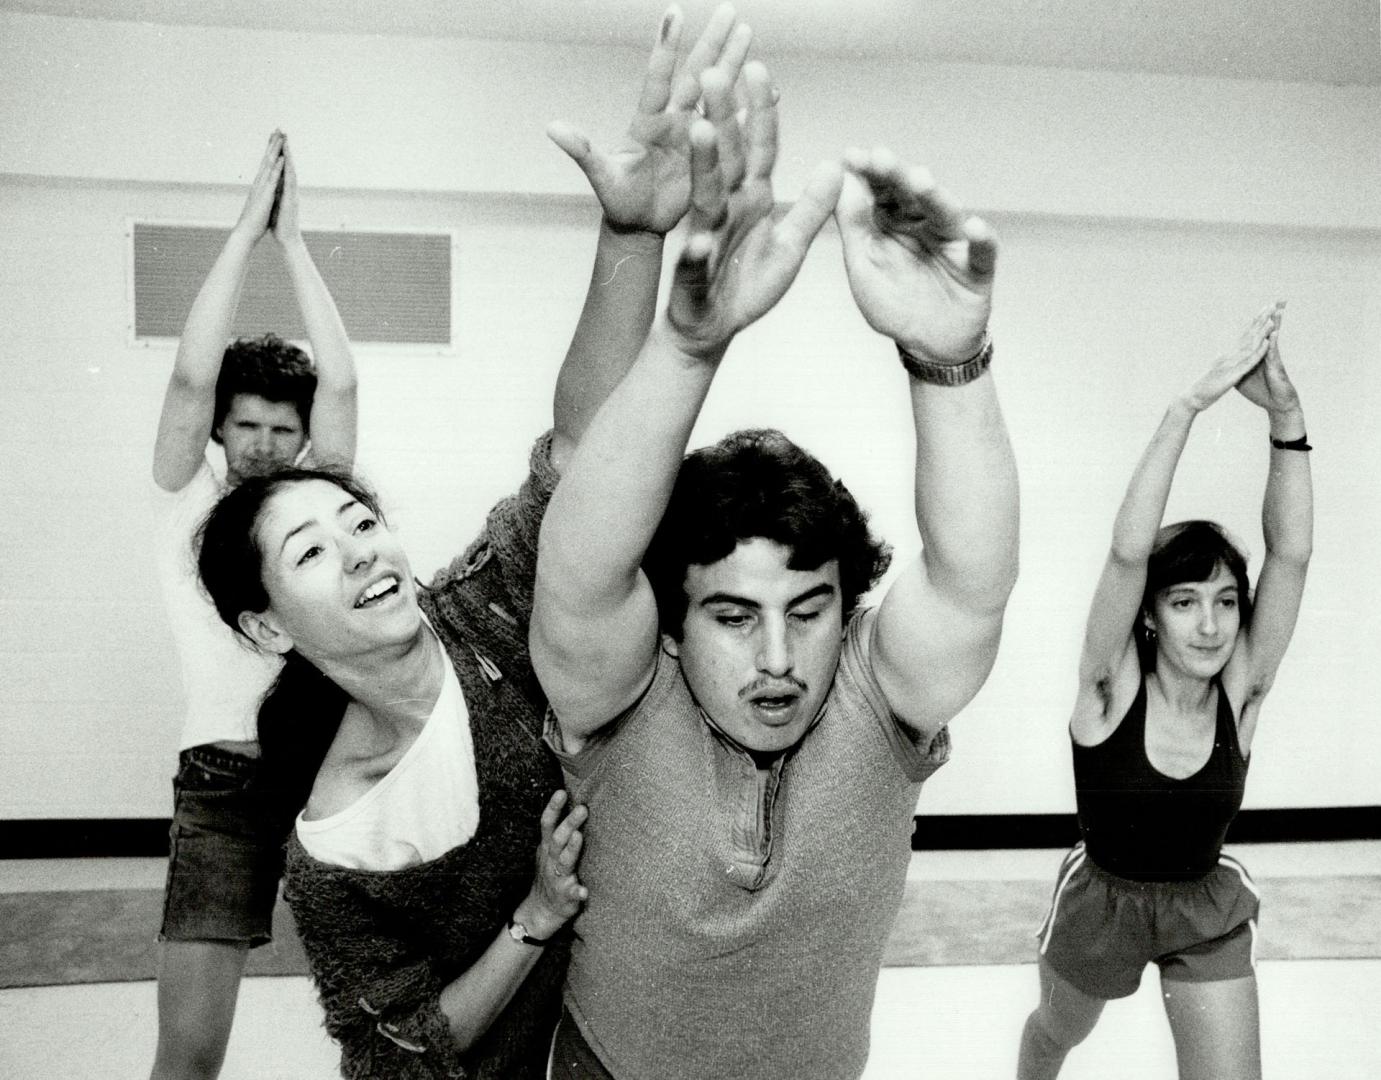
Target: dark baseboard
[80, 838]
[84, 838]
[945, 832]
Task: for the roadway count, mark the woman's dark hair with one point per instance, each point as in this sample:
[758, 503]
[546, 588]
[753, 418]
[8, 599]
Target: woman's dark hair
[1188, 551]
[758, 483]
[267, 367]
[301, 712]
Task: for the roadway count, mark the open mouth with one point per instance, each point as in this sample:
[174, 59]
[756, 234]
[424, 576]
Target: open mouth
[775, 708]
[378, 592]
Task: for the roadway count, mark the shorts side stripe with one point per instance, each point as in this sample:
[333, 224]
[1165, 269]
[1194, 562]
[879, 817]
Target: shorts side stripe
[1233, 864]
[1072, 862]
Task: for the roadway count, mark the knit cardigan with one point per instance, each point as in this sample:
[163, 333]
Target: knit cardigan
[383, 944]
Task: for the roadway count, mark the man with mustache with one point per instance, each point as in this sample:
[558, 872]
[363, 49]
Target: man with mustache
[264, 401]
[749, 740]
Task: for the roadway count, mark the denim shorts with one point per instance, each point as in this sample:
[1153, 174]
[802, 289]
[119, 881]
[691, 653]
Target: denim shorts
[225, 851]
[1102, 930]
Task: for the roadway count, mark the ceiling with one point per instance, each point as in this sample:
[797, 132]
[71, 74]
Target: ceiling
[1323, 41]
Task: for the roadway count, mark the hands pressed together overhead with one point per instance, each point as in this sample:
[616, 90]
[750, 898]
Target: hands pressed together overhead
[1253, 366]
[272, 203]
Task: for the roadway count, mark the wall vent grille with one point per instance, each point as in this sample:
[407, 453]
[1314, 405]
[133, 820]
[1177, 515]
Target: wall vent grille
[389, 287]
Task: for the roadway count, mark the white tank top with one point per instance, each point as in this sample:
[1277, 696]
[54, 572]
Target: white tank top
[224, 677]
[423, 807]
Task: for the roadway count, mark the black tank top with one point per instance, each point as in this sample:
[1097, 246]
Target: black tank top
[1139, 823]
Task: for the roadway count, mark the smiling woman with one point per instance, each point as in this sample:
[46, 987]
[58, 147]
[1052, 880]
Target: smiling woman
[329, 554]
[400, 710]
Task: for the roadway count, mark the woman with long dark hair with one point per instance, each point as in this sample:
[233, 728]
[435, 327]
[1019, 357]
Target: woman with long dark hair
[1177, 658]
[404, 734]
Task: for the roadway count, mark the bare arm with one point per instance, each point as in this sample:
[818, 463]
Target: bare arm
[1287, 522]
[1108, 640]
[189, 404]
[594, 619]
[334, 416]
[1109, 652]
[474, 1000]
[921, 271]
[643, 186]
[380, 989]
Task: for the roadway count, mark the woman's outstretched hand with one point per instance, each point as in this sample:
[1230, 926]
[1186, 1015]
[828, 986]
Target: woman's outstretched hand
[556, 894]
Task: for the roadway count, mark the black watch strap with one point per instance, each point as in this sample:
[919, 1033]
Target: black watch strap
[518, 932]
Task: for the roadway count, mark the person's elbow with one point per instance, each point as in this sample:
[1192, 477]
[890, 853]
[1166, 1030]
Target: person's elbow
[981, 587]
[1003, 580]
[1292, 552]
[338, 390]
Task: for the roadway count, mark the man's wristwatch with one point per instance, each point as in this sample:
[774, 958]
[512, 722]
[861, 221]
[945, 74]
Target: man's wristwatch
[518, 932]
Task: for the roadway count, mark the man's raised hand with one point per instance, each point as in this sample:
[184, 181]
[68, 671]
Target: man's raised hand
[920, 267]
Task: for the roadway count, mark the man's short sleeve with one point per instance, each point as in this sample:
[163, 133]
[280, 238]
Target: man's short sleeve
[917, 759]
[582, 767]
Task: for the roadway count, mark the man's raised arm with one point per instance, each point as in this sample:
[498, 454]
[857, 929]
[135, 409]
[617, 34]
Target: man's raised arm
[643, 187]
[335, 412]
[189, 404]
[921, 271]
[594, 628]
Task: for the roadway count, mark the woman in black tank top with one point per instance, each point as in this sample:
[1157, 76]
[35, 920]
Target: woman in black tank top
[1177, 657]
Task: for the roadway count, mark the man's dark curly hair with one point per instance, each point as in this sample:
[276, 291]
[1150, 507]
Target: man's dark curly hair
[271, 369]
[758, 483]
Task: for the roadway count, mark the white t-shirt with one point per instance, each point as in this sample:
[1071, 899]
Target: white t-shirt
[223, 677]
[424, 806]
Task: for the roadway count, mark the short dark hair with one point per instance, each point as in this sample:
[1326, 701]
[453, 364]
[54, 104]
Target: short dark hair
[758, 483]
[267, 367]
[229, 561]
[1189, 551]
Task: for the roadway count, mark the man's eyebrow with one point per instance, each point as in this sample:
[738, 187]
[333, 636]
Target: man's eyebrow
[729, 598]
[823, 589]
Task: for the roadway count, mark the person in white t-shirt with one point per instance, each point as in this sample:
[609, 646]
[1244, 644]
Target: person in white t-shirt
[268, 406]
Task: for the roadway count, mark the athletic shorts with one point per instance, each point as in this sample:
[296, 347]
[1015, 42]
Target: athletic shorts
[225, 852]
[1102, 930]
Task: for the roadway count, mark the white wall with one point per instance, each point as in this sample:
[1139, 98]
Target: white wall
[128, 101]
[1143, 219]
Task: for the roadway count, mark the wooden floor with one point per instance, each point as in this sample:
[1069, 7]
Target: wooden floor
[1321, 1018]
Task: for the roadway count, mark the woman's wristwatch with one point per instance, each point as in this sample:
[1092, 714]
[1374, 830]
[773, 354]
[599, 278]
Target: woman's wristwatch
[518, 932]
